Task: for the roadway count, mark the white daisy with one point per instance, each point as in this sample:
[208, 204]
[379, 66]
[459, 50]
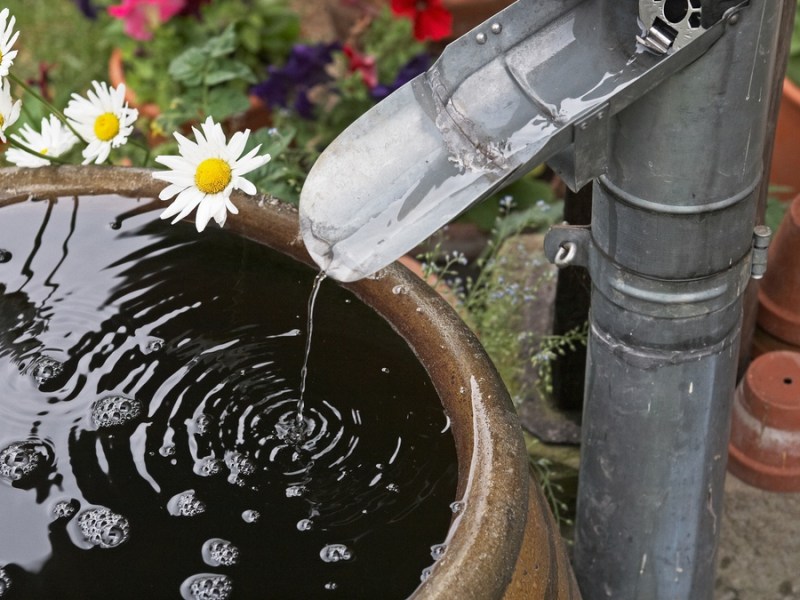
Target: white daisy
[205, 173]
[9, 110]
[54, 140]
[103, 120]
[7, 38]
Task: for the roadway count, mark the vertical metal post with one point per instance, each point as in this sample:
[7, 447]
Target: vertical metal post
[672, 229]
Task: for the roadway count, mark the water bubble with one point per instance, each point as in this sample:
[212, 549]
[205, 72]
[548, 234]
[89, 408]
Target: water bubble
[393, 487]
[5, 255]
[5, 582]
[44, 368]
[220, 553]
[251, 516]
[426, 572]
[437, 551]
[207, 586]
[456, 507]
[207, 466]
[304, 524]
[238, 464]
[154, 345]
[65, 509]
[202, 424]
[335, 552]
[20, 460]
[115, 225]
[295, 491]
[385, 370]
[331, 585]
[103, 528]
[185, 504]
[112, 411]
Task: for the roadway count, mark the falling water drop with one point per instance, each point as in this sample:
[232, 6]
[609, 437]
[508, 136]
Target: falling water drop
[5, 256]
[251, 516]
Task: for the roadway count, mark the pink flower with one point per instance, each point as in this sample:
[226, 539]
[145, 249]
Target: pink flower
[142, 17]
[363, 64]
[432, 21]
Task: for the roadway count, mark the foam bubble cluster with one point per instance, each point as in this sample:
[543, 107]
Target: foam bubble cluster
[112, 411]
[20, 460]
[186, 504]
[44, 368]
[64, 509]
[103, 528]
[207, 586]
[335, 553]
[220, 553]
[207, 466]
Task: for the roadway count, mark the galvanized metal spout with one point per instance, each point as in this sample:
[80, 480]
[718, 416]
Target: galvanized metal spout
[665, 105]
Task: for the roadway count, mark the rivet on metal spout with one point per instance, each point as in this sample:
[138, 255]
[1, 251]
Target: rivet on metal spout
[762, 235]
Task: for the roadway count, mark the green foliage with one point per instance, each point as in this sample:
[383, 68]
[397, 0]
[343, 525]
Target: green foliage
[550, 348]
[189, 69]
[793, 66]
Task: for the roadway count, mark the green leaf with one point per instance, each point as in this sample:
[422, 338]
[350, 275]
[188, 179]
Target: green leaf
[189, 66]
[220, 72]
[221, 45]
[224, 102]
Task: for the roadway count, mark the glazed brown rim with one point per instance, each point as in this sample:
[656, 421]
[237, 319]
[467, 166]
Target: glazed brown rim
[486, 536]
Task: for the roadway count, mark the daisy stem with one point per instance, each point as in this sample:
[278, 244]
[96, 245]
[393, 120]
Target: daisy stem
[141, 146]
[41, 99]
[15, 144]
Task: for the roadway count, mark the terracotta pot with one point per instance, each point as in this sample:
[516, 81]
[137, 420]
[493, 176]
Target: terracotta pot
[779, 294]
[785, 169]
[504, 543]
[765, 427]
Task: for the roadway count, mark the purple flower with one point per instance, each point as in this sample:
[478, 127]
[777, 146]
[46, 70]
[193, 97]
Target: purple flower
[305, 68]
[419, 64]
[87, 7]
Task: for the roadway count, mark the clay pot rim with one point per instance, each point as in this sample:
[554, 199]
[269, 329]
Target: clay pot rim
[791, 90]
[486, 537]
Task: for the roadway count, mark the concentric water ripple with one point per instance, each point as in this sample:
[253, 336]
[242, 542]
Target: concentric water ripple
[149, 383]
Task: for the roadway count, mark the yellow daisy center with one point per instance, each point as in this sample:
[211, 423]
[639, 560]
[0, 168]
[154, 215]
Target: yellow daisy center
[212, 176]
[106, 127]
[43, 151]
[2, 120]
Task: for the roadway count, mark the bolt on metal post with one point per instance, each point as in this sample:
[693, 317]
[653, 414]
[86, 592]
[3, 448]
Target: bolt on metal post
[670, 255]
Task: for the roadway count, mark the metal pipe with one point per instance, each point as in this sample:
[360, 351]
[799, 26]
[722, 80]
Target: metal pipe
[670, 256]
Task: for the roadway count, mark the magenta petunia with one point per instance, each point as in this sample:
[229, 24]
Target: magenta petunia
[142, 17]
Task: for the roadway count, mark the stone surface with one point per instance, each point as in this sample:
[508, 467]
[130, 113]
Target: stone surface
[759, 552]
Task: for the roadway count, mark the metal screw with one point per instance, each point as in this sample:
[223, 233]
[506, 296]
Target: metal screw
[733, 19]
[481, 38]
[496, 28]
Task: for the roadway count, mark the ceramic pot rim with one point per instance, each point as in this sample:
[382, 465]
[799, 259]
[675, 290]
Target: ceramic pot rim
[486, 537]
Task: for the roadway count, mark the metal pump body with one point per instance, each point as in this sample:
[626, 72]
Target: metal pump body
[664, 104]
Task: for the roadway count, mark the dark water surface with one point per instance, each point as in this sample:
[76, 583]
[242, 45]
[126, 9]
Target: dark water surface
[148, 377]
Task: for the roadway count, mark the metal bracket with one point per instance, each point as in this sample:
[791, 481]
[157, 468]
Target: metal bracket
[587, 157]
[568, 245]
[762, 235]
